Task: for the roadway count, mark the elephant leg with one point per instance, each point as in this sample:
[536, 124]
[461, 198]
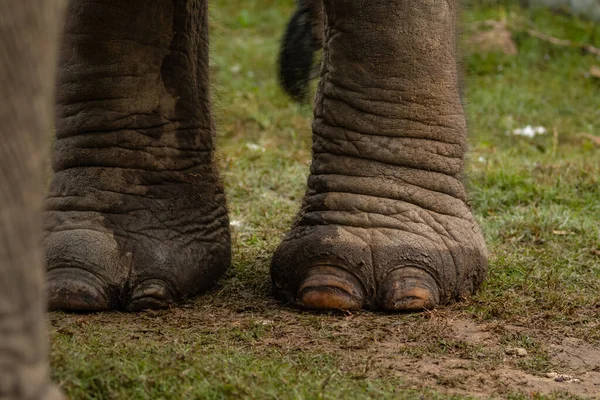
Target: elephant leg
[28, 47]
[385, 221]
[136, 215]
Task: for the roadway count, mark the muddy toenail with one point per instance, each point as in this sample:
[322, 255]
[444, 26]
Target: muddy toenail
[74, 289]
[151, 294]
[408, 289]
[330, 288]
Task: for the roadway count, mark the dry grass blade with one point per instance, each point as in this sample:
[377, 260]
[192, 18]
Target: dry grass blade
[592, 138]
[562, 42]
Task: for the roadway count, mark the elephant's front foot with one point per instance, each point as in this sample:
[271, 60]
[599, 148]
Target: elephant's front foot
[396, 257]
[148, 243]
[136, 215]
[385, 223]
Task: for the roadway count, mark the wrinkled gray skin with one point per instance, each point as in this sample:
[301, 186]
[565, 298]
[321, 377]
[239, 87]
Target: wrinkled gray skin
[385, 221]
[136, 216]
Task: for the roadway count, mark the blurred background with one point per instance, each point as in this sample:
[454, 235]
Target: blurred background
[582, 8]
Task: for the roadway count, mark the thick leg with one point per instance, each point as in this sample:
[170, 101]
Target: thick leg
[136, 215]
[28, 47]
[385, 221]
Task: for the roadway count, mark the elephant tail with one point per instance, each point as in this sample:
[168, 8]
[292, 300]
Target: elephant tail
[302, 39]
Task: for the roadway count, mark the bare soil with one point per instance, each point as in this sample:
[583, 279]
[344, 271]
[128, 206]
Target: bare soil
[440, 350]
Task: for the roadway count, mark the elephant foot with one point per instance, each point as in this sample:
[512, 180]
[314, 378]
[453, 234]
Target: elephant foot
[137, 246]
[335, 266]
[136, 215]
[385, 222]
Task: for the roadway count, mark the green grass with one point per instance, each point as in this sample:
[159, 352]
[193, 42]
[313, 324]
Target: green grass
[537, 200]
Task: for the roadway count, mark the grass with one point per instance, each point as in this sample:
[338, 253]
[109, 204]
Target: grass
[537, 200]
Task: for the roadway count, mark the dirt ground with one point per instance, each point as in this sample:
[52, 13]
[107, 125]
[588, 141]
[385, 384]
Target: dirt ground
[579, 373]
[440, 350]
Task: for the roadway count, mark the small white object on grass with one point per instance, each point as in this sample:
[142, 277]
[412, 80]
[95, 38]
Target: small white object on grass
[529, 131]
[562, 377]
[236, 223]
[255, 147]
[517, 351]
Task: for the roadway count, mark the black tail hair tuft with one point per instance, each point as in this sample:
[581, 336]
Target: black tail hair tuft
[297, 53]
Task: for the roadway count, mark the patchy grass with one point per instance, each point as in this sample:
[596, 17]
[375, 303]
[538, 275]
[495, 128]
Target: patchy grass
[537, 199]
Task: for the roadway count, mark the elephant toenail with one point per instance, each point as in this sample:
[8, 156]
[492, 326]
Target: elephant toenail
[74, 289]
[150, 294]
[330, 288]
[408, 289]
